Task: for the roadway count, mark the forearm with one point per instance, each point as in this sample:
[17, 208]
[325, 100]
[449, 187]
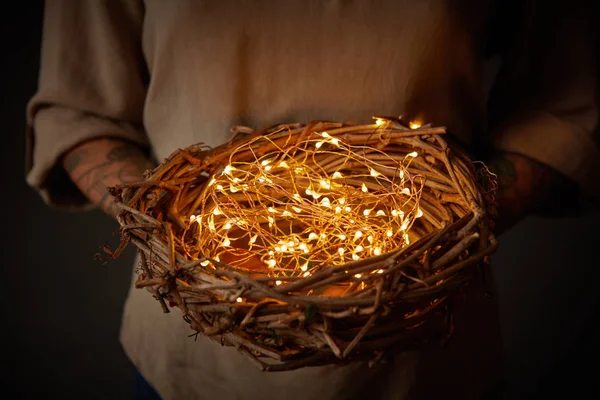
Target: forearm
[98, 164]
[526, 187]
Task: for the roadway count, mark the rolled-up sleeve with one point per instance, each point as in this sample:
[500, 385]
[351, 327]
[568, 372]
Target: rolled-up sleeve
[545, 102]
[91, 85]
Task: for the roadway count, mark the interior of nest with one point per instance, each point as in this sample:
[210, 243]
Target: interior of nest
[285, 205]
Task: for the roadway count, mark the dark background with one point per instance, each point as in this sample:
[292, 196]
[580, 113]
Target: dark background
[61, 309]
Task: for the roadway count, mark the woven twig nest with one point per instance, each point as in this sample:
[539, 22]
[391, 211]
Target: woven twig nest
[313, 244]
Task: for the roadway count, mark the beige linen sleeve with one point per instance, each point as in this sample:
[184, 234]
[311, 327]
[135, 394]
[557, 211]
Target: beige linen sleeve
[91, 85]
[544, 104]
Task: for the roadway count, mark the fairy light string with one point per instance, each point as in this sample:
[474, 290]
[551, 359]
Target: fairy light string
[321, 202]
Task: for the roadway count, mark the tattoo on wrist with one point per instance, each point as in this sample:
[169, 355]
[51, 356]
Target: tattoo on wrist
[93, 173]
[123, 152]
[73, 160]
[526, 186]
[505, 171]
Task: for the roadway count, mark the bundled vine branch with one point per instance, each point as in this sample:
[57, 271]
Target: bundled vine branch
[312, 244]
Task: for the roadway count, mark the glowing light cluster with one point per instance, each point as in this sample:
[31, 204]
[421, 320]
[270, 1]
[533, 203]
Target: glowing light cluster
[320, 202]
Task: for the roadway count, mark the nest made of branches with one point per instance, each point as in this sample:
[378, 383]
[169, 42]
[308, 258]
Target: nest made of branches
[397, 299]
